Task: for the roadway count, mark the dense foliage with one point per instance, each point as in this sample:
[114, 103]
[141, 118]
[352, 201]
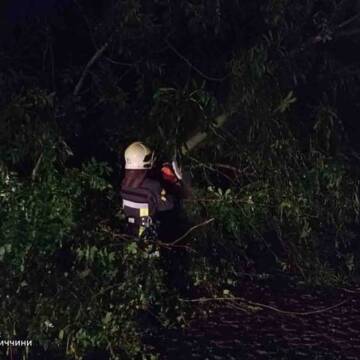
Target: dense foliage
[280, 177]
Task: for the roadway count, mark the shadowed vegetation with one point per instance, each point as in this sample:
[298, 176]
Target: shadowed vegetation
[279, 175]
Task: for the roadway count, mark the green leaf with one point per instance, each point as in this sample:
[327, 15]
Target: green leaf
[107, 318]
[132, 248]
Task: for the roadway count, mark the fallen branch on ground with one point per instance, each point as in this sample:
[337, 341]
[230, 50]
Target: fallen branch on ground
[350, 291]
[248, 302]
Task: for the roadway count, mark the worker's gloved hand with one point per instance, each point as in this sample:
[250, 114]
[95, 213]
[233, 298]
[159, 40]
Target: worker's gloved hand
[168, 173]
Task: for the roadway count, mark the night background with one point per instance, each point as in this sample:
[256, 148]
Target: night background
[270, 264]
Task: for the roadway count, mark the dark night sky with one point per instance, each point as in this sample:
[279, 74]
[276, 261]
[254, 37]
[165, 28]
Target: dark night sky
[17, 10]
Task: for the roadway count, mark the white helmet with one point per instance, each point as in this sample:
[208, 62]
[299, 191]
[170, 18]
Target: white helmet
[138, 156]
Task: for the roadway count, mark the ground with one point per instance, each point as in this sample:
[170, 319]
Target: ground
[329, 330]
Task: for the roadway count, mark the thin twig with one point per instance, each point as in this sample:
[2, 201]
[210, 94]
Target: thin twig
[211, 168]
[210, 78]
[112, 61]
[135, 239]
[36, 168]
[234, 305]
[115, 235]
[156, 318]
[229, 167]
[191, 230]
[170, 246]
[234, 169]
[348, 21]
[103, 291]
[109, 346]
[200, 300]
[209, 200]
[88, 66]
[221, 200]
[350, 291]
[318, 311]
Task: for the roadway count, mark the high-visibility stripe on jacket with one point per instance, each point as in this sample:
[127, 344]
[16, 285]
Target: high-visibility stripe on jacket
[141, 204]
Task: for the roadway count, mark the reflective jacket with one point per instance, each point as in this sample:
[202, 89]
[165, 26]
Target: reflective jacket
[142, 204]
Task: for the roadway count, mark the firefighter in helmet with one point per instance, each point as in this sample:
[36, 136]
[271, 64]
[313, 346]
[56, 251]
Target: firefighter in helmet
[147, 197]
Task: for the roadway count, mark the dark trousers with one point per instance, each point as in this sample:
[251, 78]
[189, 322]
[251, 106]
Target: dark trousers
[175, 261]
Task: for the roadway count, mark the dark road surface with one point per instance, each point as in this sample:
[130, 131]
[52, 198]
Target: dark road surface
[262, 333]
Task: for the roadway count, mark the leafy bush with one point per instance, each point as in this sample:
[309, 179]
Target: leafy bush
[277, 187]
[70, 283]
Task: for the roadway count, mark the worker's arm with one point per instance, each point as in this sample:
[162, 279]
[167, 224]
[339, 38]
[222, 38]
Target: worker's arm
[175, 182]
[163, 201]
